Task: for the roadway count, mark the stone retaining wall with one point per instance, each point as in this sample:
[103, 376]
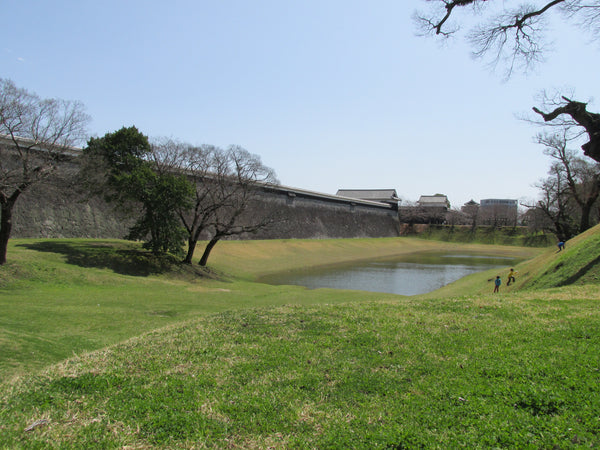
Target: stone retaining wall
[57, 209]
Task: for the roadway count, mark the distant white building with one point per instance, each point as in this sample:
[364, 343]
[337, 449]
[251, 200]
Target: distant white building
[498, 211]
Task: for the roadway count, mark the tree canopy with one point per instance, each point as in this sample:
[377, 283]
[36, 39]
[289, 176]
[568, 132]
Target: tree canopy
[133, 178]
[182, 192]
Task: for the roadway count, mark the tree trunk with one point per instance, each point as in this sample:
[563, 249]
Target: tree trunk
[207, 250]
[190, 251]
[563, 230]
[586, 210]
[5, 229]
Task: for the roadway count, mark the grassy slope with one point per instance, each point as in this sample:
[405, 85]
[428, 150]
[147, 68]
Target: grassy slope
[61, 297]
[64, 297]
[489, 235]
[252, 259]
[458, 367]
[579, 266]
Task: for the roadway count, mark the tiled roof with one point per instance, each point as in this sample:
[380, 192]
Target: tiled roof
[433, 200]
[369, 194]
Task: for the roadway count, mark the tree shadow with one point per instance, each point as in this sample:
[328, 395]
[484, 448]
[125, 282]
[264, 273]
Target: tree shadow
[125, 261]
[580, 273]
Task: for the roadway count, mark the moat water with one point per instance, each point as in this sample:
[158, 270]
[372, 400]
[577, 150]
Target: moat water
[410, 275]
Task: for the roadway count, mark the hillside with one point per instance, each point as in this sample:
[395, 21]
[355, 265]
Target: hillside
[577, 265]
[238, 364]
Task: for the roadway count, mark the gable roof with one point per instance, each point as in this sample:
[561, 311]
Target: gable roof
[369, 194]
[434, 200]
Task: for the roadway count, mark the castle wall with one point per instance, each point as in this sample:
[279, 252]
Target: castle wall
[303, 216]
[59, 209]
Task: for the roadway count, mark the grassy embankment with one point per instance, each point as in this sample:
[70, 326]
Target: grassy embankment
[242, 364]
[61, 297]
[487, 235]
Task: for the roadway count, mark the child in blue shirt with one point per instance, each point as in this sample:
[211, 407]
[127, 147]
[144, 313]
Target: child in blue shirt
[497, 283]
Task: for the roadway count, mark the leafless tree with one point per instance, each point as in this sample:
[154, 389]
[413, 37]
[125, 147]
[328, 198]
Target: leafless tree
[199, 165]
[534, 218]
[513, 36]
[416, 214]
[582, 178]
[498, 215]
[572, 114]
[240, 176]
[35, 134]
[516, 37]
[226, 183]
[471, 214]
[455, 216]
[555, 203]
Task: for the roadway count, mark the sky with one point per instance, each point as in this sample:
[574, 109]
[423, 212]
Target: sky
[331, 94]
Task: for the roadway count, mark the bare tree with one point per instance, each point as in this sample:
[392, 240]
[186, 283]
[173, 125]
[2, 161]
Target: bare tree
[417, 214]
[454, 217]
[239, 178]
[582, 177]
[471, 213]
[534, 218]
[497, 213]
[226, 183]
[514, 36]
[577, 114]
[200, 165]
[35, 134]
[554, 203]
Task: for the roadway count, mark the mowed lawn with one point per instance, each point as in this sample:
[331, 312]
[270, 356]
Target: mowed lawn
[215, 360]
[63, 297]
[485, 372]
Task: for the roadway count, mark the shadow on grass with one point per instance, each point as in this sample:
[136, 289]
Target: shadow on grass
[580, 273]
[116, 257]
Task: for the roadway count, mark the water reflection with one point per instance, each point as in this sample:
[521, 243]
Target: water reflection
[411, 275]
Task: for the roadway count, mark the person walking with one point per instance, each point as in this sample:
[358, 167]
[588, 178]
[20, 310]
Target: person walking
[511, 276]
[497, 283]
[561, 246]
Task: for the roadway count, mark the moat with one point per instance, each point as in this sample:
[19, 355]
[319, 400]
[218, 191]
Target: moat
[409, 275]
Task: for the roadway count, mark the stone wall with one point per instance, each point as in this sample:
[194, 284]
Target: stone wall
[60, 208]
[305, 215]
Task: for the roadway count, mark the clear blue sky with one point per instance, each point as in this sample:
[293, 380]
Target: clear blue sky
[331, 94]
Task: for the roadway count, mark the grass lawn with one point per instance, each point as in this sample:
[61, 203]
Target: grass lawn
[219, 361]
[65, 297]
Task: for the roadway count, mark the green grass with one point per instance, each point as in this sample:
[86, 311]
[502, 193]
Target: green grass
[507, 235]
[219, 361]
[64, 297]
[422, 374]
[579, 264]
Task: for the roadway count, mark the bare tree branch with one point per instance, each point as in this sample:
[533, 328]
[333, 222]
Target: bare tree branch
[582, 177]
[588, 120]
[515, 37]
[35, 134]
